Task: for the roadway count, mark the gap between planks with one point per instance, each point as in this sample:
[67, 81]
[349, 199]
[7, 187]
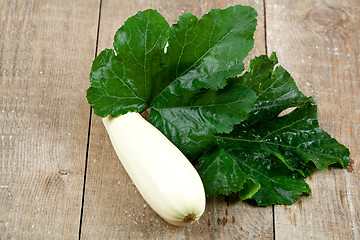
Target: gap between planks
[266, 52]
[89, 129]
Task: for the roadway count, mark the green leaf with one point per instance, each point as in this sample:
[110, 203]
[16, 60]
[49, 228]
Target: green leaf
[204, 53]
[274, 86]
[238, 167]
[125, 81]
[140, 42]
[189, 121]
[277, 151]
[111, 92]
[296, 138]
[278, 184]
[274, 151]
[200, 54]
[221, 174]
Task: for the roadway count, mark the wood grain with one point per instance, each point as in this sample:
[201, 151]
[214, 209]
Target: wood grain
[319, 43]
[46, 49]
[113, 208]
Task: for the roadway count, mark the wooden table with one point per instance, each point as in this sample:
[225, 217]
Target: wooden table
[59, 175]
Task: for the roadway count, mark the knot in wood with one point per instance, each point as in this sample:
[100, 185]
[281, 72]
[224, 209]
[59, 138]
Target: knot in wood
[325, 16]
[63, 172]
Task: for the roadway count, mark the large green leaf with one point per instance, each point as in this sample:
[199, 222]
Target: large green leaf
[189, 121]
[296, 137]
[200, 54]
[278, 185]
[124, 80]
[204, 53]
[271, 150]
[274, 86]
[254, 175]
[221, 174]
[110, 92]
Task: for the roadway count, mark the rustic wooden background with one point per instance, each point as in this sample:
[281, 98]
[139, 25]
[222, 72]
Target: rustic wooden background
[61, 179]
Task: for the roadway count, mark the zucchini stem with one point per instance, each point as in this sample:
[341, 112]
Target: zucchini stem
[190, 218]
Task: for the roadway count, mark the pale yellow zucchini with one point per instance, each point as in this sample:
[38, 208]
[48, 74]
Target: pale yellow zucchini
[163, 175]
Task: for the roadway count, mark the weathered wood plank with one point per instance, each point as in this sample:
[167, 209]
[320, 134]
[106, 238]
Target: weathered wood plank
[318, 42]
[46, 48]
[113, 208]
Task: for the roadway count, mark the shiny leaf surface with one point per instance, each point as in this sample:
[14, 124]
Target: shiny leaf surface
[204, 53]
[221, 174]
[190, 120]
[274, 151]
[295, 138]
[138, 74]
[124, 80]
[278, 185]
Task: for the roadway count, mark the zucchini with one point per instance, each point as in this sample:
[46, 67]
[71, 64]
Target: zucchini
[165, 178]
